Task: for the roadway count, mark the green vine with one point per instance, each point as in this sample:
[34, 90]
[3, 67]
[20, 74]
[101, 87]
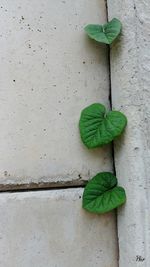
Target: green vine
[99, 127]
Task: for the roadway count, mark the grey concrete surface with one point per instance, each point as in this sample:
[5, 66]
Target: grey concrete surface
[50, 71]
[130, 77]
[50, 229]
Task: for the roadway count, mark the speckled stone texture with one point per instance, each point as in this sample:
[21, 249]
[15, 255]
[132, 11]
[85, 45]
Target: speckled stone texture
[130, 78]
[50, 71]
[50, 229]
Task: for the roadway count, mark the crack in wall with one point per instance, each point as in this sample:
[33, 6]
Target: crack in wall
[41, 186]
[39, 189]
[112, 146]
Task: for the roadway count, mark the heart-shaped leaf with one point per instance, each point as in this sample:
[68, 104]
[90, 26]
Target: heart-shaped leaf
[102, 194]
[98, 128]
[106, 33]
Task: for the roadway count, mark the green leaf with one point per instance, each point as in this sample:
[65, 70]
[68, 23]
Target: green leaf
[106, 33]
[98, 128]
[102, 194]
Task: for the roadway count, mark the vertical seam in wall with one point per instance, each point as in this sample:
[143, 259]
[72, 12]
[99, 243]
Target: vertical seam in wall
[112, 146]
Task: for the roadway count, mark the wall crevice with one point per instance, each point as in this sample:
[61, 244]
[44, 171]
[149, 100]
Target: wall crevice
[112, 146]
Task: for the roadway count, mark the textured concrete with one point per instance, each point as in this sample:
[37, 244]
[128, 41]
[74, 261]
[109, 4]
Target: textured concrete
[50, 71]
[130, 75]
[50, 229]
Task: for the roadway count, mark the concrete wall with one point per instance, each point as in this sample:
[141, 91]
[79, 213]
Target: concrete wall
[50, 72]
[130, 68]
[50, 229]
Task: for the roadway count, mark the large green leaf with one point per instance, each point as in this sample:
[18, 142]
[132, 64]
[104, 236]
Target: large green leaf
[98, 128]
[106, 33]
[102, 194]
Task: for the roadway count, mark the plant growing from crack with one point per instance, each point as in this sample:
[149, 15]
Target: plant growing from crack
[105, 33]
[99, 127]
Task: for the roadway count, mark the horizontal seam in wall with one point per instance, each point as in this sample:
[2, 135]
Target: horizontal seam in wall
[40, 186]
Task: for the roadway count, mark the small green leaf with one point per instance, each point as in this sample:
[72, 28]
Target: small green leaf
[106, 33]
[102, 194]
[98, 128]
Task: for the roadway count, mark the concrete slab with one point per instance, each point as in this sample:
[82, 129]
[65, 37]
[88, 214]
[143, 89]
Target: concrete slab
[49, 228]
[130, 68]
[50, 71]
